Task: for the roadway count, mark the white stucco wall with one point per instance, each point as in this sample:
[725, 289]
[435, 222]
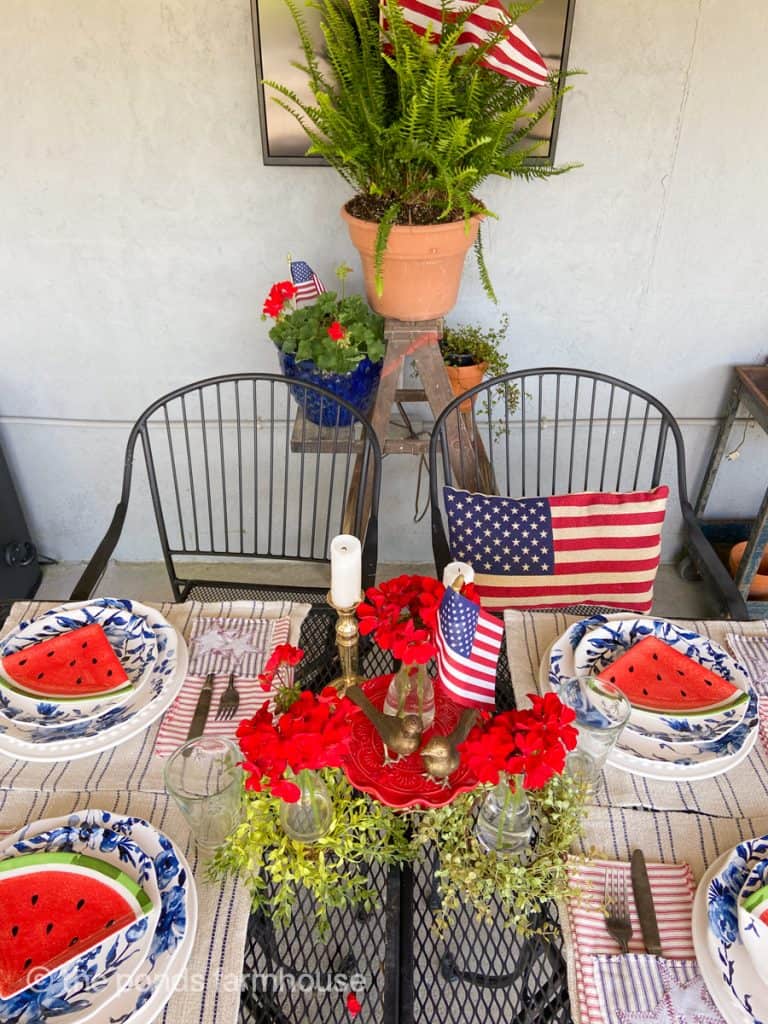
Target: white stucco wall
[140, 231]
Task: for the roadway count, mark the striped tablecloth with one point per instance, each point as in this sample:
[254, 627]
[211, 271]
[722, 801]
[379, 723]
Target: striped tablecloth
[129, 779]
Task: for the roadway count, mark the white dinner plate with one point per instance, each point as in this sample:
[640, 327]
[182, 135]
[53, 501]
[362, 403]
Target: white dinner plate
[150, 988]
[93, 737]
[738, 983]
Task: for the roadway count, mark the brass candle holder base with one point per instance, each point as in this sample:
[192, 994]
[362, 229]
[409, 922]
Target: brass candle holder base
[347, 638]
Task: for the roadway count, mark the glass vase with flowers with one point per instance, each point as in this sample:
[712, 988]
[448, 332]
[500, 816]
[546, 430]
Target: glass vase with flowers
[515, 752]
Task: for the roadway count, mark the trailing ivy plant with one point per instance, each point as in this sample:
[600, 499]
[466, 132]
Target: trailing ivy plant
[414, 127]
[518, 887]
[333, 869]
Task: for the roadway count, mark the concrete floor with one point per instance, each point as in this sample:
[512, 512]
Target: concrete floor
[148, 581]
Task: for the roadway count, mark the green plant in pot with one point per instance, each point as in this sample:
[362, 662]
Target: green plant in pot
[471, 353]
[335, 341]
[415, 127]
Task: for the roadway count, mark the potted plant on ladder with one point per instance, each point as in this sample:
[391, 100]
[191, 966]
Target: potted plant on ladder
[415, 119]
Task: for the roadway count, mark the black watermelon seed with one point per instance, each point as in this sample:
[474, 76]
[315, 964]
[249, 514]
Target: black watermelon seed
[613, 679]
[35, 898]
[93, 661]
[23, 661]
[680, 672]
[631, 668]
[15, 931]
[28, 962]
[683, 693]
[51, 654]
[84, 643]
[40, 675]
[110, 923]
[655, 657]
[49, 928]
[72, 663]
[78, 680]
[708, 682]
[80, 904]
[658, 677]
[74, 940]
[645, 693]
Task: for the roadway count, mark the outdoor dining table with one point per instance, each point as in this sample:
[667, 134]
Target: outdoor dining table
[245, 969]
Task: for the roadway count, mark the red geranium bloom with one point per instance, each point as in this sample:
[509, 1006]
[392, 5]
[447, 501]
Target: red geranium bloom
[279, 294]
[402, 615]
[283, 654]
[353, 1004]
[336, 331]
[284, 289]
[272, 307]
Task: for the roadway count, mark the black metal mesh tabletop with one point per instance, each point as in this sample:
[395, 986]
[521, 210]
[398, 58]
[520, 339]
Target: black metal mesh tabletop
[411, 976]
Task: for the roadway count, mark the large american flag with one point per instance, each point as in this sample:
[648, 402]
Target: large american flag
[514, 55]
[308, 284]
[468, 645]
[589, 548]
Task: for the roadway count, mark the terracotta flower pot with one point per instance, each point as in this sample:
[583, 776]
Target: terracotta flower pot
[759, 586]
[463, 378]
[422, 266]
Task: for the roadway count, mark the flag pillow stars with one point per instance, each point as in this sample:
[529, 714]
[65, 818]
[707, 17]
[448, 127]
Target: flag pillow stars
[590, 548]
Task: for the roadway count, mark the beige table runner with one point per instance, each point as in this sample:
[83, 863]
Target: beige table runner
[131, 765]
[742, 792]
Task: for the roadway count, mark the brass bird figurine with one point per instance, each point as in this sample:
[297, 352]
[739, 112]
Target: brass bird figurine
[440, 756]
[402, 735]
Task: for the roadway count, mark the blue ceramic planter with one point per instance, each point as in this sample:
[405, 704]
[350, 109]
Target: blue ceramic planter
[358, 388]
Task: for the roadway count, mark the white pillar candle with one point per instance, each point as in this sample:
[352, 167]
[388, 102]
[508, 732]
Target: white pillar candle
[454, 569]
[346, 570]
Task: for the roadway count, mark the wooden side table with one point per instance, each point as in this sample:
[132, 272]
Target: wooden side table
[750, 389]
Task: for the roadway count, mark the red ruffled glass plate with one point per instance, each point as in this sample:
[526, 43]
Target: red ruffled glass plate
[403, 784]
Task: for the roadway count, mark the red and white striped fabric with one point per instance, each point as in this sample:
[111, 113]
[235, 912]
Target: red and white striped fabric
[514, 56]
[266, 635]
[589, 548]
[673, 890]
[468, 646]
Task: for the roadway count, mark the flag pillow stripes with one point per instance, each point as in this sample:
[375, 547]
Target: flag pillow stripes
[513, 56]
[468, 645]
[308, 284]
[590, 548]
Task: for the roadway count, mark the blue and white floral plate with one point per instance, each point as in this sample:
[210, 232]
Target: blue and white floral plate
[99, 975]
[116, 725]
[151, 986]
[601, 645]
[132, 630]
[739, 993]
[752, 931]
[683, 768]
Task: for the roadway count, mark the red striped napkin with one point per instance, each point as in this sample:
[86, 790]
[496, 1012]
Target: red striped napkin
[264, 635]
[673, 890]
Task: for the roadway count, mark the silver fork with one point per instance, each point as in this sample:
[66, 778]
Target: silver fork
[229, 701]
[617, 920]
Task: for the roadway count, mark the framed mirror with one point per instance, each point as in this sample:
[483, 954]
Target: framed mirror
[275, 46]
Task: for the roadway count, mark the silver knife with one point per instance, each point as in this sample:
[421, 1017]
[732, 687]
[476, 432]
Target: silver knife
[202, 708]
[641, 887]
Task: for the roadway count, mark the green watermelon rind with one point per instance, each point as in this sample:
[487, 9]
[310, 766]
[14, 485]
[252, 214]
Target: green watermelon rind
[80, 861]
[732, 702]
[46, 698]
[754, 899]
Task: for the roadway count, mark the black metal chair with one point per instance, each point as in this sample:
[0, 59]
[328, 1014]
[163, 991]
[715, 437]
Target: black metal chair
[554, 430]
[238, 471]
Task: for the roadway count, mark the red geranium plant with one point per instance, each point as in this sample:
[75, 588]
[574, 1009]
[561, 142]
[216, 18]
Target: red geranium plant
[402, 616]
[530, 744]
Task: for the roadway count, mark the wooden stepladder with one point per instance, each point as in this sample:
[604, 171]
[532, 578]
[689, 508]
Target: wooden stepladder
[419, 340]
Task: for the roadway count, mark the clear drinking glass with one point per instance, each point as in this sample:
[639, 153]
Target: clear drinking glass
[602, 711]
[205, 780]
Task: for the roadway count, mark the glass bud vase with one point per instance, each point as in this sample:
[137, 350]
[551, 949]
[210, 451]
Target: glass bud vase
[504, 820]
[411, 693]
[311, 816]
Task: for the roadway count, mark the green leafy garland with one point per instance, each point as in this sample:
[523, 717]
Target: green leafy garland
[521, 887]
[275, 867]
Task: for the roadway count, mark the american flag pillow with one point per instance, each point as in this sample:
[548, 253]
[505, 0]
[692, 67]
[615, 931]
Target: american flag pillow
[591, 548]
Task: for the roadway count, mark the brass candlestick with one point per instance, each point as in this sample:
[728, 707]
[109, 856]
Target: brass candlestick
[347, 634]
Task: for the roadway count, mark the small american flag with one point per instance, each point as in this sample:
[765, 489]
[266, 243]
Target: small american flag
[513, 56]
[468, 645]
[589, 548]
[308, 284]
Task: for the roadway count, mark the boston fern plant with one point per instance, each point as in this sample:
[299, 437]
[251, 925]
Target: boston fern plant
[414, 127]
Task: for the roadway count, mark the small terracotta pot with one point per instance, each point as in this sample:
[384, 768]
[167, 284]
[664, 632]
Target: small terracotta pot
[759, 586]
[422, 265]
[463, 378]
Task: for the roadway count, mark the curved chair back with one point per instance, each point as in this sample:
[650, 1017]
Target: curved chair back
[238, 470]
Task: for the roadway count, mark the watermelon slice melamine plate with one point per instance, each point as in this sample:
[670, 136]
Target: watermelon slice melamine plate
[146, 854]
[55, 908]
